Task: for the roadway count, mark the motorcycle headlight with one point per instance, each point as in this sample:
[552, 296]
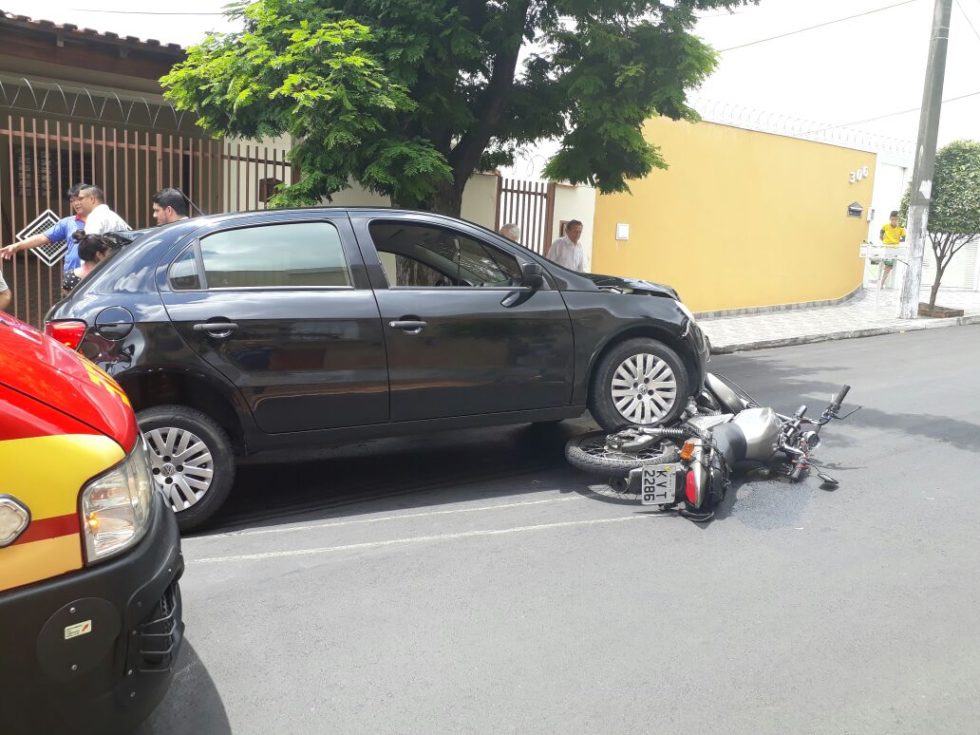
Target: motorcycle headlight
[811, 439]
[116, 506]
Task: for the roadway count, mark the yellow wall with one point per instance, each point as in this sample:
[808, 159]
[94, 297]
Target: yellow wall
[740, 219]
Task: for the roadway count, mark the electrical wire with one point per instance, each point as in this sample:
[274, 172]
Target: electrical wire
[818, 25]
[967, 19]
[887, 115]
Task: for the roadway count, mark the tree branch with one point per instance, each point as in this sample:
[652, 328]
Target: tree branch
[490, 111]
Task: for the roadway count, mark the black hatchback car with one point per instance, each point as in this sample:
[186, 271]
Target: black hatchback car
[240, 333]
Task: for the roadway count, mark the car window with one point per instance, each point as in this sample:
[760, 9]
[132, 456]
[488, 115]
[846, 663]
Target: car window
[420, 256]
[298, 254]
[183, 271]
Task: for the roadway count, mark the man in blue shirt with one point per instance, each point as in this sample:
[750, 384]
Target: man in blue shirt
[61, 230]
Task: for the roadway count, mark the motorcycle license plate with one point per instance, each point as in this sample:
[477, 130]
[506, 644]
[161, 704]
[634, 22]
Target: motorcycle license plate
[660, 482]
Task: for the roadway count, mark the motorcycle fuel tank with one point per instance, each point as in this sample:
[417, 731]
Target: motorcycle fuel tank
[761, 428]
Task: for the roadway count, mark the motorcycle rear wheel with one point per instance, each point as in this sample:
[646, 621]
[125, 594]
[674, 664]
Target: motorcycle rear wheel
[588, 453]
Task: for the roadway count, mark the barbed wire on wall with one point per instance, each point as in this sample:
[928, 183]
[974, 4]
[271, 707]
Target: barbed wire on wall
[767, 121]
[21, 93]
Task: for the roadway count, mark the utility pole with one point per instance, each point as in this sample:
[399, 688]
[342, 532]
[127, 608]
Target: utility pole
[925, 158]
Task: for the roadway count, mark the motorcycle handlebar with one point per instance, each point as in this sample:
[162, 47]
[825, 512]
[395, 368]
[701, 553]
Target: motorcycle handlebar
[841, 395]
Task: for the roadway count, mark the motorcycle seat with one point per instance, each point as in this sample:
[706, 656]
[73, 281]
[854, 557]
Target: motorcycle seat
[729, 440]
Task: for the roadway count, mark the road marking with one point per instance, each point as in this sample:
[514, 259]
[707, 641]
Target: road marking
[359, 521]
[412, 540]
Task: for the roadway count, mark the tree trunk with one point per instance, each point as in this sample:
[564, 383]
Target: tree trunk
[935, 286]
[448, 199]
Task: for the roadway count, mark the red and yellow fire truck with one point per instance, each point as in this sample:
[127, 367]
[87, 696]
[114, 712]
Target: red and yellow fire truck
[90, 614]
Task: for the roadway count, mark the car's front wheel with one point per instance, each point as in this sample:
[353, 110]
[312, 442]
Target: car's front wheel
[191, 459]
[639, 382]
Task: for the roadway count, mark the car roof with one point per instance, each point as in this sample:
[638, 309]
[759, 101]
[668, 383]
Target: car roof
[181, 227]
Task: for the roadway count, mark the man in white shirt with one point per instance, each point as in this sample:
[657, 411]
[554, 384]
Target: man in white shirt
[99, 219]
[566, 250]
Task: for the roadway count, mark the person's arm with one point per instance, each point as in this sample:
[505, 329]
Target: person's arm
[7, 251]
[881, 234]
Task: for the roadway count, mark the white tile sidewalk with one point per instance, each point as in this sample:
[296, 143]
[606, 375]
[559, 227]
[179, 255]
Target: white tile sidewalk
[863, 315]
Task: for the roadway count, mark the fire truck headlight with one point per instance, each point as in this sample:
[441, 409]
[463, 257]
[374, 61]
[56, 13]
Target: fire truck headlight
[116, 507]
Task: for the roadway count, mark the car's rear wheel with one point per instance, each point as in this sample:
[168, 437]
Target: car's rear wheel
[640, 382]
[191, 459]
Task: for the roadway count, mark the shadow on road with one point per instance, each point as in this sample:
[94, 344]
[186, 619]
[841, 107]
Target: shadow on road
[287, 487]
[193, 704]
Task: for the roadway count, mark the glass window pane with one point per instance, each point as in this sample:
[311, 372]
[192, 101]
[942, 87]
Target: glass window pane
[420, 256]
[183, 272]
[276, 256]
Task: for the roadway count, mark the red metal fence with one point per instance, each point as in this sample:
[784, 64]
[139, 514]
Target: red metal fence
[40, 158]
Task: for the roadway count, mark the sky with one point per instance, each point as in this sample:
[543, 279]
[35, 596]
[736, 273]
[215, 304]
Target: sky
[854, 73]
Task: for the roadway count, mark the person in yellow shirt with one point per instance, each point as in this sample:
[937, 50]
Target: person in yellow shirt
[892, 235]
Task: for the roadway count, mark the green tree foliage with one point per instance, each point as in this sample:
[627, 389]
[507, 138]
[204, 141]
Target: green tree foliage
[410, 97]
[954, 210]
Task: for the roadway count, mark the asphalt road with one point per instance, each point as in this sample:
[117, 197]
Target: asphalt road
[473, 584]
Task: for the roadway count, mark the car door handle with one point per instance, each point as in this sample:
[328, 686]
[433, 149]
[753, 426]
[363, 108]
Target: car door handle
[216, 329]
[408, 325]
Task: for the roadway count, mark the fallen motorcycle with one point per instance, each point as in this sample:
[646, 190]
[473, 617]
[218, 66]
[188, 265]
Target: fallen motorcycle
[688, 467]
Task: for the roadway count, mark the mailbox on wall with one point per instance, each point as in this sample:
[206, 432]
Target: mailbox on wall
[854, 209]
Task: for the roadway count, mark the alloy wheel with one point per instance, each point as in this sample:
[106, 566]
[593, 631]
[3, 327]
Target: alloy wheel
[644, 389]
[182, 465]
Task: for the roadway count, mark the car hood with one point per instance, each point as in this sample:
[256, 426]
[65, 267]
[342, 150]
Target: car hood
[631, 285]
[41, 368]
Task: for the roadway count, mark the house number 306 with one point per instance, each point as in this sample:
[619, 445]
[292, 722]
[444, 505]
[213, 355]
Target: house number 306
[861, 173]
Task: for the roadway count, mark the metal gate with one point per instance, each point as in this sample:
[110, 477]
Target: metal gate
[531, 206]
[40, 158]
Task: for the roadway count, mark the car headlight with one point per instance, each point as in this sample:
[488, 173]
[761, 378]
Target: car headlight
[116, 506]
[687, 312]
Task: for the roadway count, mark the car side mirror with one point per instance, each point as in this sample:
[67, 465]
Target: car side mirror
[532, 275]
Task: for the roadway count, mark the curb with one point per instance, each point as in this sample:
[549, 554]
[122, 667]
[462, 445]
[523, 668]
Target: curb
[764, 344]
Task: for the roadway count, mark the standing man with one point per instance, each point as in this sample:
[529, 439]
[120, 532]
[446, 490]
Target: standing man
[169, 205]
[511, 232]
[99, 219]
[566, 250]
[63, 229]
[892, 235]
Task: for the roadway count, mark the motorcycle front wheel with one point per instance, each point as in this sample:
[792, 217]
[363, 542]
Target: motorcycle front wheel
[589, 453]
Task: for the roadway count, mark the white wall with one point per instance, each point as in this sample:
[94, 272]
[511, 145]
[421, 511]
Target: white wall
[962, 271]
[480, 200]
[357, 196]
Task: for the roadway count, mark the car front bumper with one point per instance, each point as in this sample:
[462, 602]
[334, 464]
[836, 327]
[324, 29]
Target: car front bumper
[93, 651]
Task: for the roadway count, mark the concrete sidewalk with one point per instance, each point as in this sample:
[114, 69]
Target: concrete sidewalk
[863, 316]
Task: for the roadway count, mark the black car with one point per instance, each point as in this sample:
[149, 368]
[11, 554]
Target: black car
[240, 333]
